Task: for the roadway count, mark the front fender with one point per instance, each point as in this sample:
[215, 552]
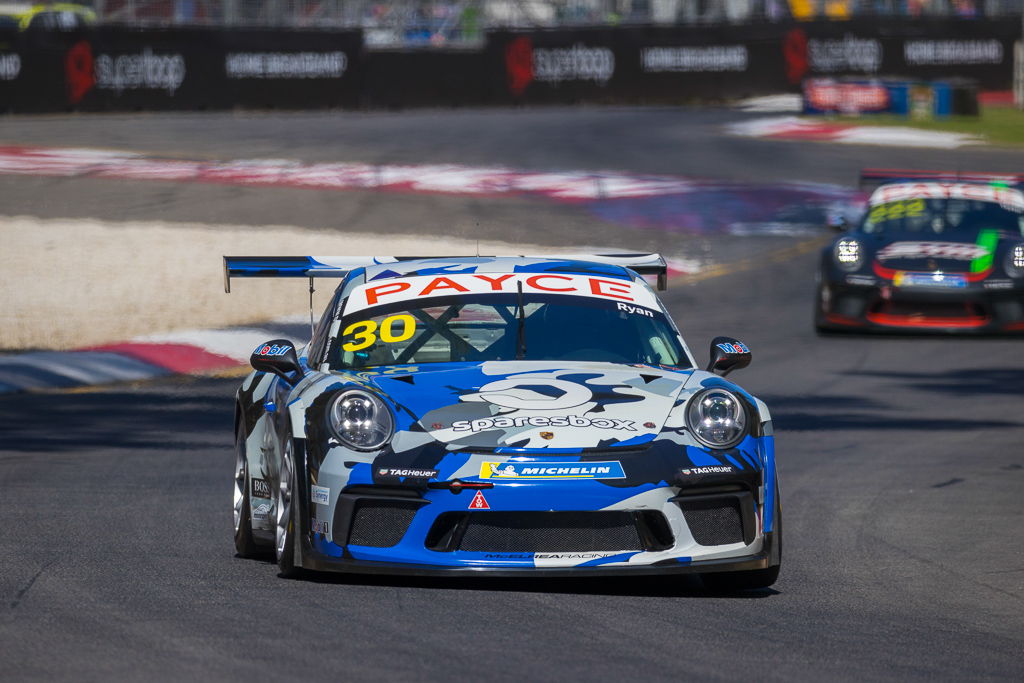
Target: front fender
[250, 399]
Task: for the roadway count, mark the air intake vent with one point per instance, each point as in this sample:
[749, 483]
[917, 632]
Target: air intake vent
[381, 523]
[714, 520]
[551, 532]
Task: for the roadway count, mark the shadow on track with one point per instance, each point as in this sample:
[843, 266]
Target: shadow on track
[125, 419]
[961, 382]
[680, 586]
[860, 412]
[882, 421]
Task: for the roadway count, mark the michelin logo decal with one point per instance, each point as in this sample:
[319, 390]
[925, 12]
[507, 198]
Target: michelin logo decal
[552, 470]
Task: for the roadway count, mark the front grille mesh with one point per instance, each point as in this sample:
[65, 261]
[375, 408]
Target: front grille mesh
[714, 522]
[381, 523]
[930, 309]
[527, 532]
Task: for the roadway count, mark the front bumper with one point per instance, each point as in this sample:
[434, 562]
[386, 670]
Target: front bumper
[987, 307]
[421, 530]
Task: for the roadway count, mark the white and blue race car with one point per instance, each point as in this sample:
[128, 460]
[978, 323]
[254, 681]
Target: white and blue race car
[501, 415]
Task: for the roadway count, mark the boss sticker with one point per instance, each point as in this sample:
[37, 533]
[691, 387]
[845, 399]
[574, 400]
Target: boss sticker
[260, 488]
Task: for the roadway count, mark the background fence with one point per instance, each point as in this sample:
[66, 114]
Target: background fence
[456, 23]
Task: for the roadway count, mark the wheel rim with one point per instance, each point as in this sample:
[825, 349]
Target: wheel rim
[284, 502]
[240, 467]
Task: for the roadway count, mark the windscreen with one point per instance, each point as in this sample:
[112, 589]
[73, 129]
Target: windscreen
[505, 327]
[943, 218]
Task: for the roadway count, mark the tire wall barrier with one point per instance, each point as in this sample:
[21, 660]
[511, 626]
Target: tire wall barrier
[110, 68]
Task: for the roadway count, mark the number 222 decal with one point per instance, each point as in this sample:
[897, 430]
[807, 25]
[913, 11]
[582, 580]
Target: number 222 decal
[365, 331]
[896, 210]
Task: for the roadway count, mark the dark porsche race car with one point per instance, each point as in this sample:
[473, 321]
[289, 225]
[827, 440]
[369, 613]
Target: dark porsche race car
[510, 416]
[933, 252]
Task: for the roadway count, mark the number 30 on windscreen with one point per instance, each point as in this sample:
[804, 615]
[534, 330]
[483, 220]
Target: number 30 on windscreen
[365, 332]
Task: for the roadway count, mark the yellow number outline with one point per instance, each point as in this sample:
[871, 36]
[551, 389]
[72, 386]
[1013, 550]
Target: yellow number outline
[367, 335]
[364, 331]
[386, 328]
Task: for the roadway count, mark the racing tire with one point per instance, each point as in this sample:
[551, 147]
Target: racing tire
[284, 528]
[245, 545]
[822, 327]
[756, 579]
[819, 319]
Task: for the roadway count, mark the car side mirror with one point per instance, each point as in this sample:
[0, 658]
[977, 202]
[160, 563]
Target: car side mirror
[277, 356]
[728, 354]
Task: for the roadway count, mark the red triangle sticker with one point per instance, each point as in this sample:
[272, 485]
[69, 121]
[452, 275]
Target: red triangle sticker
[479, 502]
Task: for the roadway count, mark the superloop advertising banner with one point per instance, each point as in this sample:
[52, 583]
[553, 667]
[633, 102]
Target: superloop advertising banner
[115, 68]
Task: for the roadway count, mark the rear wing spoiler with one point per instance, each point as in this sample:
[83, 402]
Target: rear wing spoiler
[340, 266]
[872, 178]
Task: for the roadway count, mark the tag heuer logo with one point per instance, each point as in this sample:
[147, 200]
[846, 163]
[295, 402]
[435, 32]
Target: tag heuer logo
[406, 472]
[712, 469]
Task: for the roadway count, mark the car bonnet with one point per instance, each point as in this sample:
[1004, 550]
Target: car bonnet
[534, 404]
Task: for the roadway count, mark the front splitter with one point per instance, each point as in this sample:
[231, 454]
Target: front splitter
[314, 561]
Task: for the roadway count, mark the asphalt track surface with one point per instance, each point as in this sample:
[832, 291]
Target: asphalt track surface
[900, 458]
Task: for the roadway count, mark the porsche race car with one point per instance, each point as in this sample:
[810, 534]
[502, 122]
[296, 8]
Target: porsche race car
[933, 252]
[504, 416]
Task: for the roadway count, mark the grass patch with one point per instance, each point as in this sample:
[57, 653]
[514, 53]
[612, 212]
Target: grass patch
[998, 125]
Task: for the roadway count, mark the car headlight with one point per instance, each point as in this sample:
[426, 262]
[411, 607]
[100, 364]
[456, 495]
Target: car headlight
[360, 420]
[1015, 261]
[717, 418]
[847, 253]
